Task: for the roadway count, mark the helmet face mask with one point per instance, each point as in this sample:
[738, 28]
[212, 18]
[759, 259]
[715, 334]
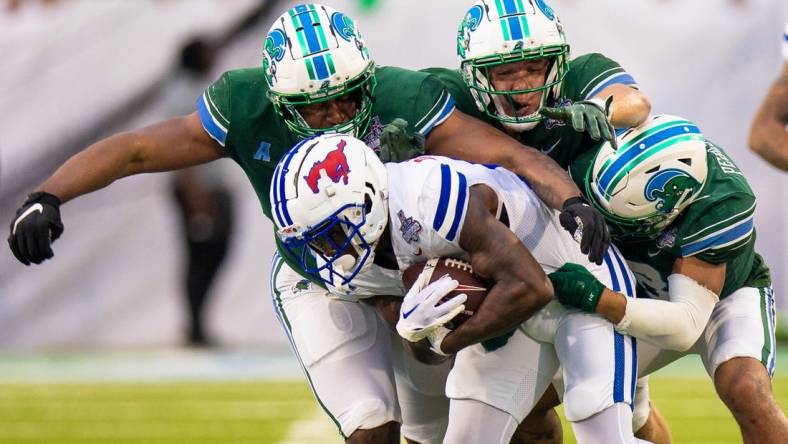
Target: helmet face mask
[314, 54]
[491, 36]
[329, 203]
[659, 169]
[362, 88]
[340, 250]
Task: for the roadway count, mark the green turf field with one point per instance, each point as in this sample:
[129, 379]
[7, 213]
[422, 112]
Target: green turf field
[134, 398]
[263, 412]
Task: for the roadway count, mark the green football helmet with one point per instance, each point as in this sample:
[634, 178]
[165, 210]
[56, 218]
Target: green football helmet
[314, 54]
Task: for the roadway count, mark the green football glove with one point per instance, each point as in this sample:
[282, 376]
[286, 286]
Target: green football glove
[589, 116]
[576, 287]
[397, 145]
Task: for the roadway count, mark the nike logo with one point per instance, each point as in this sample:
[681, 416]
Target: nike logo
[33, 208]
[652, 254]
[547, 151]
[409, 312]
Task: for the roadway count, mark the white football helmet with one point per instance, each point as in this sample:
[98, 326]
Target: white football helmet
[496, 32]
[329, 202]
[314, 53]
[660, 167]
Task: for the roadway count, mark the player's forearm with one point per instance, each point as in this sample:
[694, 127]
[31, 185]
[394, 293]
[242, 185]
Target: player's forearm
[93, 168]
[674, 324]
[466, 138]
[630, 107]
[503, 310]
[165, 146]
[768, 137]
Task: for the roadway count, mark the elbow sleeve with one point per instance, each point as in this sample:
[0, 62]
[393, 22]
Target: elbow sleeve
[674, 324]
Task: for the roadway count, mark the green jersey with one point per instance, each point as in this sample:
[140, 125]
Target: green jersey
[587, 76]
[716, 228]
[236, 112]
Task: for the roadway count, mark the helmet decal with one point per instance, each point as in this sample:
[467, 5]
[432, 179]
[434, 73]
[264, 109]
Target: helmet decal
[275, 44]
[670, 187]
[343, 25]
[335, 165]
[545, 8]
[469, 24]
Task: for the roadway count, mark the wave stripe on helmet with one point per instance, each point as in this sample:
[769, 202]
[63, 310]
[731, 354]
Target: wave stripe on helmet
[454, 188]
[645, 144]
[720, 239]
[622, 78]
[438, 114]
[210, 123]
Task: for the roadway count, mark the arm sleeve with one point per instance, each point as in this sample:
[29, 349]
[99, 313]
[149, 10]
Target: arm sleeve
[596, 72]
[213, 106]
[724, 232]
[674, 324]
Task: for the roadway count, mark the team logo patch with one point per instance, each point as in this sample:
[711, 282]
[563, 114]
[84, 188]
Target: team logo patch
[552, 123]
[372, 138]
[667, 239]
[469, 24]
[335, 166]
[263, 151]
[546, 10]
[301, 285]
[409, 228]
[670, 187]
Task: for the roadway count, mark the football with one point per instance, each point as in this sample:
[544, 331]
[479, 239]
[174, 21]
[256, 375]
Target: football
[461, 271]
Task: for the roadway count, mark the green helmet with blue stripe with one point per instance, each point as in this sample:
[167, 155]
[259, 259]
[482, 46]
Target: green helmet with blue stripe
[659, 169]
[313, 54]
[497, 32]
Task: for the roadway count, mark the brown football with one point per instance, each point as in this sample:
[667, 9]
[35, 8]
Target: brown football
[470, 284]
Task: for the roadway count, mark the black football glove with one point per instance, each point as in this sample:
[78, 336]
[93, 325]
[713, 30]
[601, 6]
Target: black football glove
[587, 227]
[397, 145]
[37, 224]
[590, 116]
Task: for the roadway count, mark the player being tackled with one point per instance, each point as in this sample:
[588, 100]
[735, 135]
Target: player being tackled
[356, 237]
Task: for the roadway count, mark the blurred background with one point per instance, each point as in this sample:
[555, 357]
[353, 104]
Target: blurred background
[73, 71]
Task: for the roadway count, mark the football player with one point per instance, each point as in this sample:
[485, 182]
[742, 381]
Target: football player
[516, 74]
[769, 130]
[682, 213]
[355, 223]
[317, 76]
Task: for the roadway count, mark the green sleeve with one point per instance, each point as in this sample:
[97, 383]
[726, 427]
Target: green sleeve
[591, 73]
[214, 109]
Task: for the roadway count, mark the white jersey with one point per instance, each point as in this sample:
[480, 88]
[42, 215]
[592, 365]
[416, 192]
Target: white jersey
[428, 201]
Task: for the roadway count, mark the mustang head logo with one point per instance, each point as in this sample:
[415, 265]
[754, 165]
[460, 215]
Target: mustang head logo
[670, 187]
[335, 165]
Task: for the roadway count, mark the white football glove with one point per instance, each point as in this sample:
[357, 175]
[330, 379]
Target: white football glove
[419, 316]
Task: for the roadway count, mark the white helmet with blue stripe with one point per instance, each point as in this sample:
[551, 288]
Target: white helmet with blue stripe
[659, 169]
[312, 54]
[497, 32]
[329, 203]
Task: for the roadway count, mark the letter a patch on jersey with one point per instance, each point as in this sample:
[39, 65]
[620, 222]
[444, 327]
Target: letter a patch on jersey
[263, 152]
